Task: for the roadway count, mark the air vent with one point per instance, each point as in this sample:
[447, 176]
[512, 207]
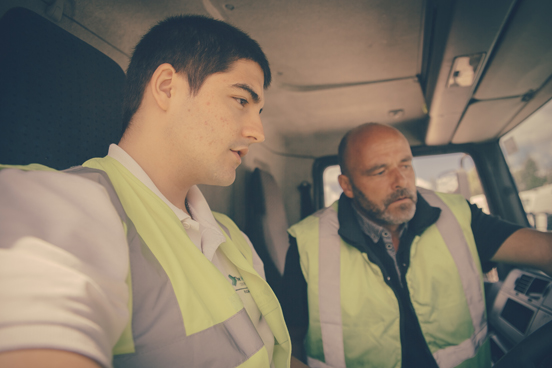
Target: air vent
[522, 283]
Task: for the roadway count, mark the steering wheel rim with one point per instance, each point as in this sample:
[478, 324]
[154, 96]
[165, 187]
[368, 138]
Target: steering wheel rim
[530, 351]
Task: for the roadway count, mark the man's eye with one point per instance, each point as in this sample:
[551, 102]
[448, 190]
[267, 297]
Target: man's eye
[241, 101]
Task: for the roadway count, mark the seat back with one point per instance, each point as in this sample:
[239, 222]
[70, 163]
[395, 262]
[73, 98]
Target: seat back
[267, 225]
[60, 98]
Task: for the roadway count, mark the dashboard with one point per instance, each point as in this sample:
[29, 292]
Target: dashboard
[522, 305]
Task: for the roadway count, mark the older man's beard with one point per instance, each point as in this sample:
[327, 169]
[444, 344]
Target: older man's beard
[380, 215]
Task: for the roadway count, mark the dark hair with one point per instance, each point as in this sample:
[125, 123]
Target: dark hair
[196, 45]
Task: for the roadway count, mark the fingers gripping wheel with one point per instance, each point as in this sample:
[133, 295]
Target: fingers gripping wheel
[535, 351]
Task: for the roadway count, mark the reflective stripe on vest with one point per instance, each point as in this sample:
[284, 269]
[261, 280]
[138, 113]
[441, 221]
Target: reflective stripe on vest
[329, 278]
[471, 281]
[329, 285]
[156, 334]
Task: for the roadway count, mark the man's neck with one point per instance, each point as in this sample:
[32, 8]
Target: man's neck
[161, 176]
[394, 230]
[395, 236]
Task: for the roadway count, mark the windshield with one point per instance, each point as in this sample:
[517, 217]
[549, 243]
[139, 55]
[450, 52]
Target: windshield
[528, 152]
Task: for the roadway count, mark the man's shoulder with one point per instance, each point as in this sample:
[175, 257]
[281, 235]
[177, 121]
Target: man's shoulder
[429, 192]
[313, 221]
[21, 176]
[29, 167]
[45, 186]
[433, 198]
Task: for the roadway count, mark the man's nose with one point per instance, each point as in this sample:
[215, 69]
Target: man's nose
[253, 128]
[399, 178]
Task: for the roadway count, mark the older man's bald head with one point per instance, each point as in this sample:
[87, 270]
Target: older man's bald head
[360, 136]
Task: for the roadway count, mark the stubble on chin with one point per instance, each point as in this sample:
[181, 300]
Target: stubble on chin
[383, 216]
[405, 213]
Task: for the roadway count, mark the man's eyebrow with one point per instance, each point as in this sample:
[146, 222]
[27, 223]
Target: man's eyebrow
[375, 168]
[245, 87]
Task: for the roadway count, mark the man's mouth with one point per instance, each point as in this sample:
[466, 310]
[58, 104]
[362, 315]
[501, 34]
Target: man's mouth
[239, 153]
[400, 196]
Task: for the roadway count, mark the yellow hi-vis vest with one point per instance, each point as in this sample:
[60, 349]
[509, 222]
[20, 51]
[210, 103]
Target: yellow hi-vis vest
[354, 314]
[184, 312]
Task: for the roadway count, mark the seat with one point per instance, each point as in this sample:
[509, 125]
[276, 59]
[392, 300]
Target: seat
[60, 98]
[267, 225]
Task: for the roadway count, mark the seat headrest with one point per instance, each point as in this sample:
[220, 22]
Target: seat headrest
[60, 98]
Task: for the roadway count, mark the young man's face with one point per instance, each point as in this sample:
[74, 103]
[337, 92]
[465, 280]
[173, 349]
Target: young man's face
[381, 181]
[212, 130]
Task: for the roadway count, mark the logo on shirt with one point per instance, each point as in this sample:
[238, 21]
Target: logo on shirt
[238, 283]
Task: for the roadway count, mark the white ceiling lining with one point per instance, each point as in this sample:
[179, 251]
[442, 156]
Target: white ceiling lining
[343, 108]
[314, 42]
[122, 23]
[310, 44]
[324, 58]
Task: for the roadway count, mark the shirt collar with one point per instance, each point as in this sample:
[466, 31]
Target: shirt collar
[196, 201]
[370, 228]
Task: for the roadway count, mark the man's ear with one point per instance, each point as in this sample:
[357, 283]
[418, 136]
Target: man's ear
[345, 184]
[162, 85]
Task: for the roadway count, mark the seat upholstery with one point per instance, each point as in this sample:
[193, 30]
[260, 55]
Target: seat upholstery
[60, 98]
[267, 225]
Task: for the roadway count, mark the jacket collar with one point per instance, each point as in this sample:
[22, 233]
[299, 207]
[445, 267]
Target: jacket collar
[351, 232]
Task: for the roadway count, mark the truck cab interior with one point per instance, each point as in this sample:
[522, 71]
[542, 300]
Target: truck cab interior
[468, 82]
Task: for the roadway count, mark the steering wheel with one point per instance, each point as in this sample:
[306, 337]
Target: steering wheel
[531, 351]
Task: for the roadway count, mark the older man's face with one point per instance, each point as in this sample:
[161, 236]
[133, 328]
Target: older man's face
[381, 180]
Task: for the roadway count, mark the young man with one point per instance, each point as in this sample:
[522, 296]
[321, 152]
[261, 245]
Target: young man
[121, 261]
[393, 273]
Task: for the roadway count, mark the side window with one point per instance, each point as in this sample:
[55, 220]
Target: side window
[528, 152]
[332, 190]
[449, 173]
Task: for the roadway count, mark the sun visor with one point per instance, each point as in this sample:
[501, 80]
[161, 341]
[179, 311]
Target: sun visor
[521, 61]
[485, 119]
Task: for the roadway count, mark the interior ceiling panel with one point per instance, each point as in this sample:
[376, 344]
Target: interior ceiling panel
[329, 109]
[122, 23]
[324, 143]
[522, 61]
[315, 42]
[336, 65]
[540, 98]
[484, 120]
[473, 30]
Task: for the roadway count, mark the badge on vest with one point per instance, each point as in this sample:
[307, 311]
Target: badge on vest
[238, 284]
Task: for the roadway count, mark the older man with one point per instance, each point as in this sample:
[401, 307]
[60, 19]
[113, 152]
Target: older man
[390, 275]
